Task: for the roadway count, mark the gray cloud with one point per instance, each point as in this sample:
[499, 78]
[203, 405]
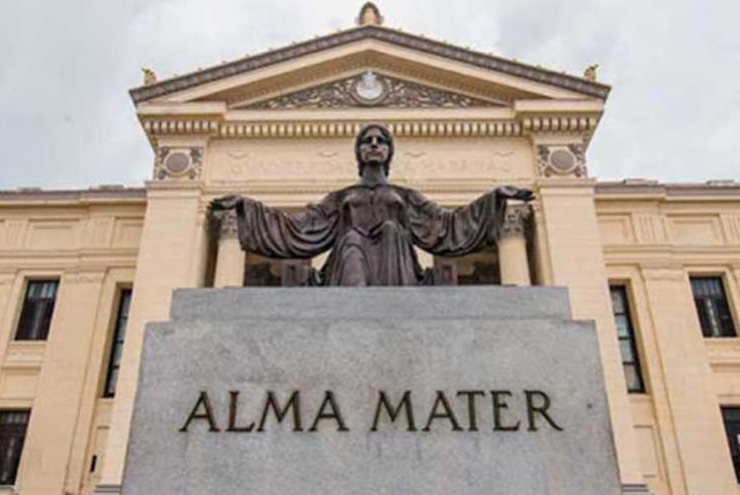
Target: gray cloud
[66, 67]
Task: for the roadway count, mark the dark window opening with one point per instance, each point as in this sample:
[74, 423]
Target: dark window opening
[266, 272]
[475, 269]
[13, 426]
[731, 417]
[116, 350]
[627, 343]
[38, 308]
[712, 307]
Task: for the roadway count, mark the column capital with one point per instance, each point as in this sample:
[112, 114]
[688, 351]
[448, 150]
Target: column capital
[515, 220]
[227, 224]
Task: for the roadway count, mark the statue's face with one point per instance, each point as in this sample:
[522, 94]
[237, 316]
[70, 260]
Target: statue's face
[374, 148]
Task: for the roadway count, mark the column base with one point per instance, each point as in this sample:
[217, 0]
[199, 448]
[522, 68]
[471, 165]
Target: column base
[635, 489]
[108, 490]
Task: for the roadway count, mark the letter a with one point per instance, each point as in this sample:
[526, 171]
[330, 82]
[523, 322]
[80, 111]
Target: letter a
[442, 400]
[334, 414]
[208, 414]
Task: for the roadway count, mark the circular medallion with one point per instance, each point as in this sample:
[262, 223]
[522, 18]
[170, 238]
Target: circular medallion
[563, 161]
[177, 163]
[369, 89]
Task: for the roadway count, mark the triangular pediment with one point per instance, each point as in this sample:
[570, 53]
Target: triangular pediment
[371, 89]
[421, 70]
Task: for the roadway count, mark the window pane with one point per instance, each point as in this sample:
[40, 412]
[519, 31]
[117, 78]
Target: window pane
[732, 428]
[712, 307]
[38, 309]
[12, 436]
[119, 333]
[617, 301]
[626, 336]
[632, 376]
[625, 346]
[623, 330]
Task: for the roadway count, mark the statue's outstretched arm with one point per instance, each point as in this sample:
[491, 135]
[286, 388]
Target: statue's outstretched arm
[464, 230]
[273, 233]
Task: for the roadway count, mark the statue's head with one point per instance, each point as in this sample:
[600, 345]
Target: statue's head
[374, 147]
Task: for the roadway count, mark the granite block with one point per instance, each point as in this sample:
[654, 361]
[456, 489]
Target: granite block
[440, 449]
[371, 302]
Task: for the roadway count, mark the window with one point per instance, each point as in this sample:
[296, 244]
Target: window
[626, 335]
[711, 304]
[13, 426]
[38, 308]
[731, 416]
[116, 348]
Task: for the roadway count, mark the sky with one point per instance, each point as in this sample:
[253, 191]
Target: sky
[67, 121]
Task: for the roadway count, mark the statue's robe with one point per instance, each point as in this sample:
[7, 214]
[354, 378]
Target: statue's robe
[371, 231]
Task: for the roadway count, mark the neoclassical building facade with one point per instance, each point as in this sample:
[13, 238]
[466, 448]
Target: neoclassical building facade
[656, 266]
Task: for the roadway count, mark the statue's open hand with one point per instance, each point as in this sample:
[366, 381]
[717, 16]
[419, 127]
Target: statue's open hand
[225, 203]
[511, 192]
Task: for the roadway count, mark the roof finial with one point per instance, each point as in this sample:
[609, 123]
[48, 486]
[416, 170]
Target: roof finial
[590, 72]
[149, 76]
[369, 15]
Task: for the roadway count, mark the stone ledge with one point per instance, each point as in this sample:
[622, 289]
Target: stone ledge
[496, 302]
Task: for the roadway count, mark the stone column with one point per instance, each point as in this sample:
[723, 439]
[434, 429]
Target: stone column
[230, 262]
[512, 246]
[576, 259]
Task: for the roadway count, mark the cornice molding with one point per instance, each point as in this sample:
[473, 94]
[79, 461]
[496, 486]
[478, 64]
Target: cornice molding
[392, 36]
[74, 195]
[578, 125]
[638, 189]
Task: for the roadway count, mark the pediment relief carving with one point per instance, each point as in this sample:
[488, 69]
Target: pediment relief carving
[372, 90]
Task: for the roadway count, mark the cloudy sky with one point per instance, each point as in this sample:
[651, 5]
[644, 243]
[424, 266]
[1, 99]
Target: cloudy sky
[66, 119]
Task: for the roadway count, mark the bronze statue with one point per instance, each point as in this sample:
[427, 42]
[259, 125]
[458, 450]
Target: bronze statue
[371, 227]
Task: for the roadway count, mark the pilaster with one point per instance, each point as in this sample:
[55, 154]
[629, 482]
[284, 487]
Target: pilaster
[694, 408]
[7, 282]
[56, 409]
[577, 262]
[171, 255]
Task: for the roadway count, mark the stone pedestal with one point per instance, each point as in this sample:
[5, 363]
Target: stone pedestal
[440, 390]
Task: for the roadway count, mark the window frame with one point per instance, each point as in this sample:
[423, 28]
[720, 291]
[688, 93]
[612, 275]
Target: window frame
[635, 346]
[18, 466]
[729, 295]
[28, 281]
[734, 459]
[114, 332]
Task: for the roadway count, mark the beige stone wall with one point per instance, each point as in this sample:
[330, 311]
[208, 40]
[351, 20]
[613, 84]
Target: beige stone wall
[655, 238]
[89, 242]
